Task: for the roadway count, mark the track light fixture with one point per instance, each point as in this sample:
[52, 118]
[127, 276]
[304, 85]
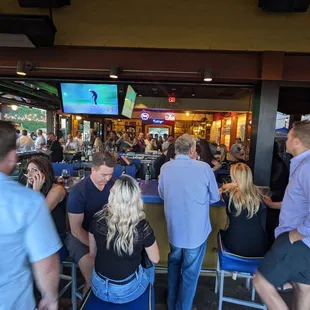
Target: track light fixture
[23, 67]
[206, 74]
[115, 72]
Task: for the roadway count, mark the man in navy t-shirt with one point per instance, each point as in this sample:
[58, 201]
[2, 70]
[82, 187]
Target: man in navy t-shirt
[85, 199]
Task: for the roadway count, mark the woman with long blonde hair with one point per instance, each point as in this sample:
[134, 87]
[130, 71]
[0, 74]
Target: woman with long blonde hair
[119, 234]
[246, 232]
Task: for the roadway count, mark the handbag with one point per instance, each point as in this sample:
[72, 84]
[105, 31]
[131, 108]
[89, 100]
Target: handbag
[145, 261]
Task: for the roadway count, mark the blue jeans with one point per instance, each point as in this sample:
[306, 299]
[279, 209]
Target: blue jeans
[122, 293]
[184, 267]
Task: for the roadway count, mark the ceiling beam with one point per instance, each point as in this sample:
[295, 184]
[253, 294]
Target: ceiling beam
[139, 64]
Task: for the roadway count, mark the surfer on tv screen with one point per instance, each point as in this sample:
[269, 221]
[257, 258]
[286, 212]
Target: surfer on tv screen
[94, 95]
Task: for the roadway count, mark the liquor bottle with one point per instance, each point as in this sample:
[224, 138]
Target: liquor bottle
[83, 157]
[148, 173]
[90, 155]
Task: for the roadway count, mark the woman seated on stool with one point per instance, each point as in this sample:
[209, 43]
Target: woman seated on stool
[118, 235]
[246, 233]
[40, 176]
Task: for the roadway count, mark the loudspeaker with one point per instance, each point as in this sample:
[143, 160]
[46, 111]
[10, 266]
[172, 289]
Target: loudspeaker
[43, 3]
[284, 6]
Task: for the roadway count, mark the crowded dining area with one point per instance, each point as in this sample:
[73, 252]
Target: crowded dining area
[154, 156]
[92, 165]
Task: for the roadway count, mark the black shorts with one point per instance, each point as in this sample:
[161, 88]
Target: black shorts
[286, 262]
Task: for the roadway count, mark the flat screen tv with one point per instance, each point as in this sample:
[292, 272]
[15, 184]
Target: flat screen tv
[129, 102]
[97, 99]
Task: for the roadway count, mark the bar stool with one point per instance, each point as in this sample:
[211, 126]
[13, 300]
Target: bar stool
[66, 261]
[145, 302]
[75, 290]
[63, 254]
[235, 266]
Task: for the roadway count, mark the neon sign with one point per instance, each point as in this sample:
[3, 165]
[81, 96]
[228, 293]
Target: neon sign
[145, 116]
[158, 121]
[169, 117]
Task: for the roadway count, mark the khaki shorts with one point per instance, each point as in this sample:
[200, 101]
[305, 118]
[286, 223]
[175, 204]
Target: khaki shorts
[76, 248]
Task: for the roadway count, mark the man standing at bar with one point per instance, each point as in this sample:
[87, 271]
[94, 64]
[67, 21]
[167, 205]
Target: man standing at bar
[289, 258]
[28, 239]
[188, 187]
[85, 199]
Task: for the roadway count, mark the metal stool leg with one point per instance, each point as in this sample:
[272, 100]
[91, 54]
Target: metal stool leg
[74, 286]
[248, 283]
[217, 276]
[253, 293]
[221, 290]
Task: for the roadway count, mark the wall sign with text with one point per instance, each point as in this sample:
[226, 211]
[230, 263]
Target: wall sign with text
[158, 121]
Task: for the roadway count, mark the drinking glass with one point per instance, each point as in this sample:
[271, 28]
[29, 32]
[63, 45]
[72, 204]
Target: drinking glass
[81, 174]
[65, 173]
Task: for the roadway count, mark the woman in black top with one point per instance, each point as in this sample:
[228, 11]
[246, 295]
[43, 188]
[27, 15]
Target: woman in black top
[40, 176]
[119, 234]
[246, 233]
[207, 156]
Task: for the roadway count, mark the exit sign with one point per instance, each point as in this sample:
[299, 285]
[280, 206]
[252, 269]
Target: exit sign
[171, 99]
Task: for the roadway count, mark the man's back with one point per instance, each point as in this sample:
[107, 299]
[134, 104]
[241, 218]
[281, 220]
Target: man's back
[57, 155]
[25, 142]
[188, 187]
[27, 235]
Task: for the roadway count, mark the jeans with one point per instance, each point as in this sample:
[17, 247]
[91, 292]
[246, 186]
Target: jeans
[122, 293]
[184, 267]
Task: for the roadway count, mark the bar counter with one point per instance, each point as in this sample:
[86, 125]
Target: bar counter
[154, 209]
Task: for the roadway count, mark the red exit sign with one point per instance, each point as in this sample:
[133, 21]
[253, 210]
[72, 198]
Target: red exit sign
[171, 99]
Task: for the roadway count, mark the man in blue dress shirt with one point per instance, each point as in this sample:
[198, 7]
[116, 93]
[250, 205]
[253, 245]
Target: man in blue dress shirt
[188, 187]
[28, 239]
[289, 258]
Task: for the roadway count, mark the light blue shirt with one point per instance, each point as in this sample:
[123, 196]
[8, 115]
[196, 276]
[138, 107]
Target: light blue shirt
[27, 235]
[295, 210]
[188, 187]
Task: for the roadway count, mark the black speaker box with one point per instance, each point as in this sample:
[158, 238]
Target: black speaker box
[284, 6]
[43, 3]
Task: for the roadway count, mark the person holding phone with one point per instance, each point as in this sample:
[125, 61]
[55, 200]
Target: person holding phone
[41, 178]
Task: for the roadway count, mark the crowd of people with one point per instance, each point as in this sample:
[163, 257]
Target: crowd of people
[115, 246]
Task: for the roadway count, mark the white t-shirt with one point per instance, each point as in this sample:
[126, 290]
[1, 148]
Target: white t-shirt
[25, 142]
[79, 140]
[40, 140]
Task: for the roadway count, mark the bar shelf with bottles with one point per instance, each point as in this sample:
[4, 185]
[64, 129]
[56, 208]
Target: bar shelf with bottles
[143, 162]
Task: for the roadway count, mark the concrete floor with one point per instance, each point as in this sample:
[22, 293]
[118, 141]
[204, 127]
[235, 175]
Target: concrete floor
[205, 298]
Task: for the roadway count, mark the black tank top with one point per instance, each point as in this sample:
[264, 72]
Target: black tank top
[59, 217]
